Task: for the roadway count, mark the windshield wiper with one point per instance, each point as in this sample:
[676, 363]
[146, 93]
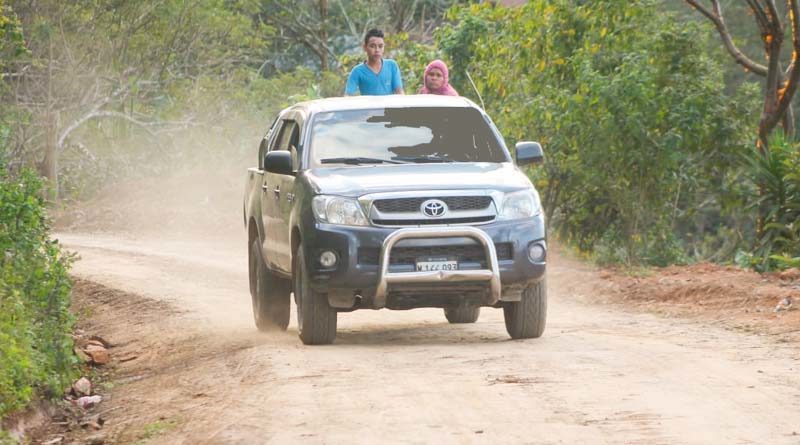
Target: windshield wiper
[426, 158]
[358, 161]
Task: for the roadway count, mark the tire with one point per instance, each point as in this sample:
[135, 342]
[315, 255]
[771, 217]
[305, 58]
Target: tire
[527, 318]
[462, 314]
[316, 320]
[270, 294]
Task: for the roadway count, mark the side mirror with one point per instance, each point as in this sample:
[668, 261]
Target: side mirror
[278, 161]
[529, 153]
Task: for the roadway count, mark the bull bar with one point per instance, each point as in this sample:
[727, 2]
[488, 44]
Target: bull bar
[492, 274]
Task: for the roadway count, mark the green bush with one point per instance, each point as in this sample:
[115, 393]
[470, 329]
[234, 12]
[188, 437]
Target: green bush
[639, 134]
[35, 323]
[775, 174]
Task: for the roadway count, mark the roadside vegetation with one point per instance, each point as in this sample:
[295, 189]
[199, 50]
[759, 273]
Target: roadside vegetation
[649, 127]
[35, 322]
[643, 143]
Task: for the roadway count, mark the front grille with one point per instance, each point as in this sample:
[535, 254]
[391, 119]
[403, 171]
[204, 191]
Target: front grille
[428, 222]
[406, 205]
[408, 255]
[409, 296]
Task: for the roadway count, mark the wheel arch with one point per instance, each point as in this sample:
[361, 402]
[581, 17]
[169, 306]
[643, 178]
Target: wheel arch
[296, 238]
[252, 231]
[252, 263]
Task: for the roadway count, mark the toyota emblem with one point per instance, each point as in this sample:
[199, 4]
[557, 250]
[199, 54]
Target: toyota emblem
[434, 208]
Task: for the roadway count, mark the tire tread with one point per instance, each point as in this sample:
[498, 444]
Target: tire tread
[318, 326]
[273, 309]
[527, 318]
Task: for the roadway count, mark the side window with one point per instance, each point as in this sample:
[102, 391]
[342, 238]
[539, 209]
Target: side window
[294, 147]
[289, 140]
[285, 137]
[263, 146]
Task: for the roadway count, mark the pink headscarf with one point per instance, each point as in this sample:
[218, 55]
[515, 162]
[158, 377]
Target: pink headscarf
[446, 89]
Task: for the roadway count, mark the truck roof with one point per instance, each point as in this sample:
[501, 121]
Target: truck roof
[392, 101]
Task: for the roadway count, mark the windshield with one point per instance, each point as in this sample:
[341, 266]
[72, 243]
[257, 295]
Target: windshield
[403, 135]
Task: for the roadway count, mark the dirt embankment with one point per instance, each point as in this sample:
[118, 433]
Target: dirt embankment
[764, 304]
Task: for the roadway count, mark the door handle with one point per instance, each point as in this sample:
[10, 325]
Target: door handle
[277, 190]
[264, 188]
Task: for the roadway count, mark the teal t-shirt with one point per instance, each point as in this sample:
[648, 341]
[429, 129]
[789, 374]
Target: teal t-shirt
[365, 81]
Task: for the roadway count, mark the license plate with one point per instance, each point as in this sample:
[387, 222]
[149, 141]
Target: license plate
[428, 266]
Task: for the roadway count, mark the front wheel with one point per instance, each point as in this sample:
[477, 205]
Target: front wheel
[316, 320]
[526, 318]
[270, 294]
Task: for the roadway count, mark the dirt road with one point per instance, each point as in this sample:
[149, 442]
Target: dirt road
[200, 373]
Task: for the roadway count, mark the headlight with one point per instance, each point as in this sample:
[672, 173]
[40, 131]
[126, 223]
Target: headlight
[337, 210]
[518, 205]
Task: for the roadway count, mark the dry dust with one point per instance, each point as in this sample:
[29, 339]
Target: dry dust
[172, 297]
[195, 202]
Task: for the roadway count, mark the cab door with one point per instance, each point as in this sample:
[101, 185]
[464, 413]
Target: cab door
[273, 203]
[286, 200]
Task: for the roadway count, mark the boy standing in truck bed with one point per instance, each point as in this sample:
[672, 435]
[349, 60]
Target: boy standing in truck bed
[376, 76]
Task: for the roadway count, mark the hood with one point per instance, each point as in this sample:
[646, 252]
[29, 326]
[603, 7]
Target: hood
[360, 180]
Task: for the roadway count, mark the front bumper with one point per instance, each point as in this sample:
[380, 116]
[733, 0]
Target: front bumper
[364, 276]
[490, 274]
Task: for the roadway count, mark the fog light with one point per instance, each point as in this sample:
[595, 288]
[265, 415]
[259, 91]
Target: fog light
[536, 252]
[327, 259]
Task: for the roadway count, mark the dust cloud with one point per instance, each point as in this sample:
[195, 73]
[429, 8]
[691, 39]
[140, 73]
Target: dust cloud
[174, 233]
[187, 186]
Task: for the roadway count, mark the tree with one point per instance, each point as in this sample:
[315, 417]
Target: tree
[99, 74]
[306, 23]
[780, 83]
[326, 29]
[92, 61]
[640, 137]
[12, 43]
[12, 46]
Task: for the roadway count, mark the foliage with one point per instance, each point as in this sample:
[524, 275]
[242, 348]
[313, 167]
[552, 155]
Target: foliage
[642, 137]
[458, 42]
[770, 41]
[637, 128]
[12, 43]
[12, 46]
[124, 66]
[216, 121]
[35, 322]
[314, 33]
[412, 57]
[776, 172]
[137, 88]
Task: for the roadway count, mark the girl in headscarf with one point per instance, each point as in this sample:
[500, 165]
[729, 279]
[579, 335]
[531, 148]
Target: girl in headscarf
[436, 80]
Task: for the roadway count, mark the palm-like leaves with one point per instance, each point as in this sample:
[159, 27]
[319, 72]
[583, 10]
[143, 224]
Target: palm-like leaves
[776, 171]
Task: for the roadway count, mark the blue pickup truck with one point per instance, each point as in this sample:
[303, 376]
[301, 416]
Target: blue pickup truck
[394, 202]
